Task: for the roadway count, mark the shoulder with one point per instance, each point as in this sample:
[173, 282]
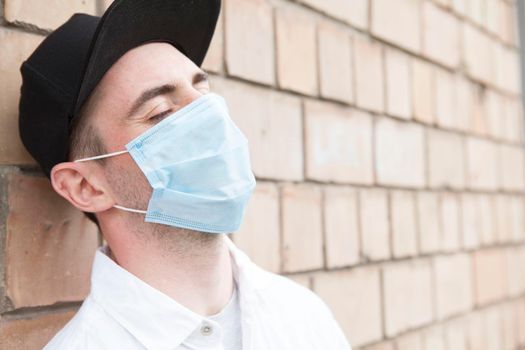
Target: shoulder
[297, 304]
[90, 328]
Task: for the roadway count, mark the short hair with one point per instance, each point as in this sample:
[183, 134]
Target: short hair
[84, 140]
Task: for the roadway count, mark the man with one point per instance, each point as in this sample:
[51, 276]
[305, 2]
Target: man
[121, 119]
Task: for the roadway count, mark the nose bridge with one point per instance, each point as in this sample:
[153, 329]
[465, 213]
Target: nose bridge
[188, 93]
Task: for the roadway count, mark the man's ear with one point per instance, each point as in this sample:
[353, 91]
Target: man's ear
[82, 186]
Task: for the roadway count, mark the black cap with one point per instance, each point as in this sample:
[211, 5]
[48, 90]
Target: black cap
[64, 69]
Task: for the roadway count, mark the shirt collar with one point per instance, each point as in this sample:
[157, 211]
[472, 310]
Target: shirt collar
[151, 316]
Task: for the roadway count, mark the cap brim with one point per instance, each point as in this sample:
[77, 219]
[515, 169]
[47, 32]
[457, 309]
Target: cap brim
[188, 25]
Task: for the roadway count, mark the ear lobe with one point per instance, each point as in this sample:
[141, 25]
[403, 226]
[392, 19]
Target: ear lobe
[79, 184]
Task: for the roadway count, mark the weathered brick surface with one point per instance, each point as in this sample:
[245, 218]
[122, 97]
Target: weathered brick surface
[446, 159]
[407, 295]
[400, 156]
[373, 218]
[490, 272]
[338, 143]
[341, 226]
[423, 86]
[302, 227]
[429, 225]
[441, 35]
[398, 84]
[482, 164]
[259, 233]
[32, 332]
[250, 40]
[353, 12]
[47, 240]
[296, 51]
[336, 76]
[369, 78]
[354, 297]
[404, 29]
[453, 281]
[404, 226]
[46, 14]
[16, 47]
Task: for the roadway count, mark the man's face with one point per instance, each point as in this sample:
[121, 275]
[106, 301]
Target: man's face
[144, 86]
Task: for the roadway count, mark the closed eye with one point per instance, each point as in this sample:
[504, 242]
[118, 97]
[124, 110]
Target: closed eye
[160, 116]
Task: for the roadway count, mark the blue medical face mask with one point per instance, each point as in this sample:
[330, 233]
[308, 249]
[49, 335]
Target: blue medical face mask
[197, 162]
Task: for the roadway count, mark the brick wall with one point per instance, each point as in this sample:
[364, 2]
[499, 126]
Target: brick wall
[387, 139]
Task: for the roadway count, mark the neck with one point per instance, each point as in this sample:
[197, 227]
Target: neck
[194, 268]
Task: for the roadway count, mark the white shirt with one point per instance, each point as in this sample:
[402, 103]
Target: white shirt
[124, 312]
[230, 320]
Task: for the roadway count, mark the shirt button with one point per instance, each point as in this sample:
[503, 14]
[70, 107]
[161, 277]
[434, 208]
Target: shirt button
[206, 329]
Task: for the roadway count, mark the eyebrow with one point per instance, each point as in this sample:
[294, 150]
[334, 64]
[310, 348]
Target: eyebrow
[162, 90]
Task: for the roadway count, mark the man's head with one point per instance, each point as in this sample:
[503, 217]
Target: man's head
[140, 89]
[80, 85]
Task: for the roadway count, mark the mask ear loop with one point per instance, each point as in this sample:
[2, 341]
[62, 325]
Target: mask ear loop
[106, 156]
[101, 156]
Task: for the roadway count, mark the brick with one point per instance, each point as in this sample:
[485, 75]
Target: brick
[259, 235]
[515, 261]
[464, 102]
[515, 215]
[350, 294]
[490, 274]
[507, 26]
[403, 216]
[453, 282]
[409, 341]
[428, 220]
[398, 84]
[512, 122]
[213, 62]
[479, 225]
[52, 252]
[341, 226]
[407, 295]
[301, 228]
[374, 227]
[381, 346]
[335, 63]
[481, 164]
[296, 51]
[423, 86]
[520, 307]
[32, 333]
[507, 69]
[446, 159]
[304, 280]
[250, 40]
[434, 338]
[509, 323]
[460, 7]
[16, 47]
[272, 123]
[369, 78]
[512, 167]
[445, 100]
[450, 221]
[441, 34]
[494, 111]
[478, 124]
[46, 15]
[476, 335]
[493, 330]
[353, 12]
[399, 153]
[338, 143]
[404, 29]
[477, 54]
[456, 334]
[493, 15]
[477, 11]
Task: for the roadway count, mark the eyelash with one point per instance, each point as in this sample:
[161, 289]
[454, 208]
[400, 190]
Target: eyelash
[160, 115]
